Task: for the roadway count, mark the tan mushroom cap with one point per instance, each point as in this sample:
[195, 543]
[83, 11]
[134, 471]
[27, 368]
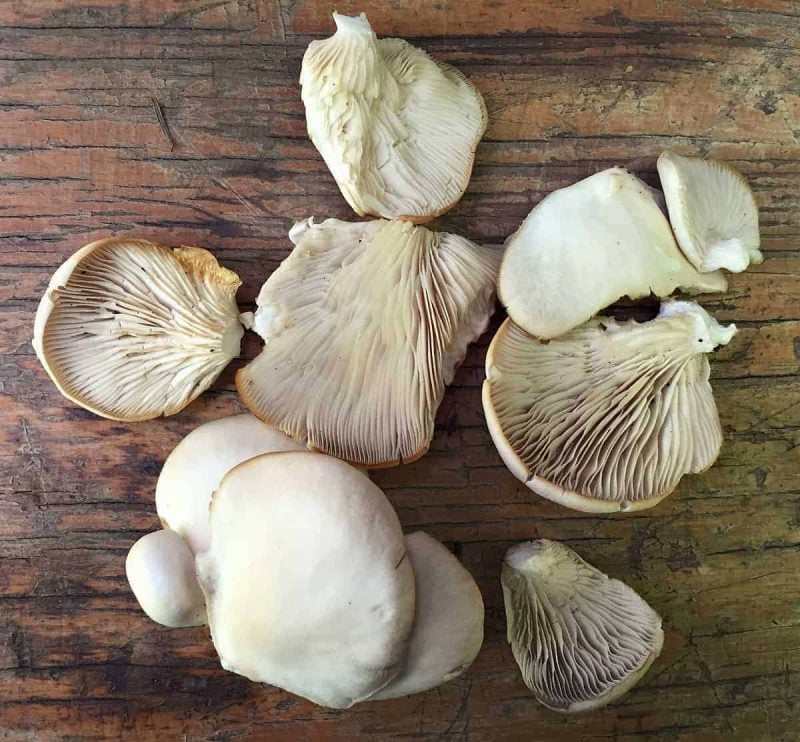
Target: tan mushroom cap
[363, 326]
[586, 246]
[131, 330]
[197, 464]
[448, 621]
[307, 581]
[580, 639]
[160, 571]
[397, 130]
[713, 212]
[610, 416]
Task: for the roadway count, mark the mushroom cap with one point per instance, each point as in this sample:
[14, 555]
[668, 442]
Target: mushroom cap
[397, 130]
[611, 415]
[306, 579]
[363, 326]
[713, 212]
[160, 571]
[197, 464]
[584, 247]
[581, 640]
[131, 330]
[448, 622]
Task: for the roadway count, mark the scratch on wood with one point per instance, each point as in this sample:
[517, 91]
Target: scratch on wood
[162, 123]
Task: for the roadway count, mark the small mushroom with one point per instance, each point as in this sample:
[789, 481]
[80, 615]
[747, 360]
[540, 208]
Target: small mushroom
[160, 571]
[197, 464]
[713, 212]
[581, 640]
[397, 130]
[131, 330]
[448, 621]
[307, 580]
[611, 415]
[363, 326]
[586, 246]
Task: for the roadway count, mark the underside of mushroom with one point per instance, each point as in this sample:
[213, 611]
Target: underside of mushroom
[581, 640]
[713, 212]
[132, 330]
[397, 129]
[586, 246]
[611, 415]
[363, 326]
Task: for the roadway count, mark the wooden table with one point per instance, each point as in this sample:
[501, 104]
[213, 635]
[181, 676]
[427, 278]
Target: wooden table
[569, 92]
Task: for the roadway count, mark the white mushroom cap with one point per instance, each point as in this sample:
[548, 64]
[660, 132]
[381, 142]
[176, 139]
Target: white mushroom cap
[160, 570]
[586, 246]
[713, 212]
[131, 330]
[363, 326]
[307, 581]
[397, 130]
[580, 639]
[611, 415]
[197, 464]
[448, 625]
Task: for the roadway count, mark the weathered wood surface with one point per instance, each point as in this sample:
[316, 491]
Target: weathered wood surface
[569, 91]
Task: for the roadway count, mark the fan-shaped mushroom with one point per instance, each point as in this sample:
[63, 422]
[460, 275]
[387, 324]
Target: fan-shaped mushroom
[197, 464]
[448, 622]
[397, 129]
[363, 326]
[584, 247]
[713, 212]
[131, 330]
[580, 639]
[610, 416]
[307, 581]
[160, 571]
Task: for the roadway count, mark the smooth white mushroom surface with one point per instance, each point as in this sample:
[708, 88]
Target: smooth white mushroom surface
[581, 640]
[586, 246]
[397, 129]
[197, 464]
[307, 581]
[713, 212]
[363, 326]
[131, 330]
[448, 621]
[160, 571]
[611, 415]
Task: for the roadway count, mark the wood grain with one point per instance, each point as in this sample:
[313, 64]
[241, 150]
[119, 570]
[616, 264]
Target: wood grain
[570, 90]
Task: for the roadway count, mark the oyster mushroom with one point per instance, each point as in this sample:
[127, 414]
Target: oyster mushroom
[580, 639]
[197, 464]
[307, 581]
[611, 415]
[131, 330]
[713, 212]
[448, 622]
[397, 130]
[160, 571]
[586, 246]
[363, 326]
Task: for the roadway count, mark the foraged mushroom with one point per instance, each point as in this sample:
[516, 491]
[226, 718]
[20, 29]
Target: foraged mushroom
[580, 639]
[713, 212]
[586, 246]
[131, 330]
[611, 415]
[160, 571]
[397, 130]
[197, 464]
[363, 326]
[448, 622]
[307, 581]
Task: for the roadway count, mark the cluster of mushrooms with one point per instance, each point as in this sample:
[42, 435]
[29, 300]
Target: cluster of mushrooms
[273, 534]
